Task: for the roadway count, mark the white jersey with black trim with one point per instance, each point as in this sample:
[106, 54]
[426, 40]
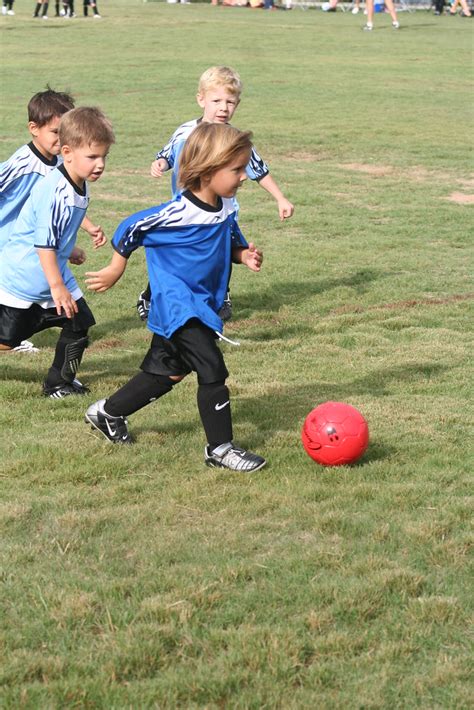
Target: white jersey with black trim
[49, 219]
[18, 175]
[256, 169]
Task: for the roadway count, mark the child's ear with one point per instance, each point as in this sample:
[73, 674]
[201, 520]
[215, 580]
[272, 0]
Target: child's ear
[200, 100]
[33, 128]
[66, 152]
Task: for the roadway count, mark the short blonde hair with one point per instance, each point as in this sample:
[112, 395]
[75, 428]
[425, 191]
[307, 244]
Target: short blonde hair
[220, 76]
[210, 147]
[85, 125]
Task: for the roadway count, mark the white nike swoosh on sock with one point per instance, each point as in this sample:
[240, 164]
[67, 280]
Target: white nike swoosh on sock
[221, 406]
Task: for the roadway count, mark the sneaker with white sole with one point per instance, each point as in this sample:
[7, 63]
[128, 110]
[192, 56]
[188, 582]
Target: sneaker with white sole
[26, 346]
[355, 10]
[396, 25]
[4, 10]
[368, 27]
[10, 12]
[233, 458]
[143, 307]
[65, 390]
[114, 429]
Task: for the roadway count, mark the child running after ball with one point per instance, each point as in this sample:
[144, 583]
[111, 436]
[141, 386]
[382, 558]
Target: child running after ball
[32, 162]
[189, 243]
[218, 96]
[37, 289]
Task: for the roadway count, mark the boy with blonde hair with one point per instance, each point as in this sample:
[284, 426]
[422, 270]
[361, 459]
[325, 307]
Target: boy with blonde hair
[218, 95]
[37, 288]
[189, 245]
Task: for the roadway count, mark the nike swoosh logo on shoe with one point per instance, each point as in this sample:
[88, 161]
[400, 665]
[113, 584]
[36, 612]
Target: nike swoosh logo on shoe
[221, 406]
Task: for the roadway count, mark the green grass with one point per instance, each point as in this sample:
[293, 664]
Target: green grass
[138, 578]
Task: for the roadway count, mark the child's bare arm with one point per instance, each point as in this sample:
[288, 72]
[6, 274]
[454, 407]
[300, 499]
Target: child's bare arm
[104, 279]
[285, 208]
[251, 257]
[158, 167]
[61, 296]
[95, 231]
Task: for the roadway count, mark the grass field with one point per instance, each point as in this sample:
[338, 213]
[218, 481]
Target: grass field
[139, 578]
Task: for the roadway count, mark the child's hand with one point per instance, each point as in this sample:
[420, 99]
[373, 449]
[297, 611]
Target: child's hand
[102, 280]
[252, 257]
[78, 256]
[158, 167]
[95, 231]
[285, 208]
[63, 300]
[98, 236]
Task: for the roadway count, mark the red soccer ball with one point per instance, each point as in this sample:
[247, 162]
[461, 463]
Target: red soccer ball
[335, 434]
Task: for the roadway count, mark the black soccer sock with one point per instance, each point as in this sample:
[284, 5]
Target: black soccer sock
[56, 5]
[37, 9]
[71, 8]
[45, 9]
[214, 408]
[137, 393]
[86, 7]
[62, 371]
[96, 11]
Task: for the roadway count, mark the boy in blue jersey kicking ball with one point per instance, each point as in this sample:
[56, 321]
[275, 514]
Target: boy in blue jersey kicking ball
[31, 163]
[218, 95]
[190, 243]
[37, 288]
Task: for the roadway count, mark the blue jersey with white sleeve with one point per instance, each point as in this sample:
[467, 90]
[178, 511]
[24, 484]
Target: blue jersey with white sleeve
[49, 219]
[188, 246]
[256, 169]
[18, 175]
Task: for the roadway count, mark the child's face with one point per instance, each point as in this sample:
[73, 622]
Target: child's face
[226, 181]
[85, 162]
[46, 138]
[218, 105]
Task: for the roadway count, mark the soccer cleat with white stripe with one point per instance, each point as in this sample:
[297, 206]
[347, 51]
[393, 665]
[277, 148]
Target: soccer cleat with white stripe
[65, 390]
[114, 429]
[233, 458]
[143, 306]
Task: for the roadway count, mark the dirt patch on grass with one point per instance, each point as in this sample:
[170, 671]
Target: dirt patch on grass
[306, 156]
[460, 198]
[106, 344]
[376, 170]
[396, 305]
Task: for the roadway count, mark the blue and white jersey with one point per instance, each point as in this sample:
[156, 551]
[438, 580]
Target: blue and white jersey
[18, 175]
[256, 169]
[188, 246]
[49, 219]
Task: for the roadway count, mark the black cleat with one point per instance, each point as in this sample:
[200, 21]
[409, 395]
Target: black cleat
[225, 313]
[65, 389]
[233, 458]
[143, 307]
[114, 429]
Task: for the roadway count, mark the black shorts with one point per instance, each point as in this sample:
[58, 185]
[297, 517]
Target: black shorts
[17, 324]
[192, 348]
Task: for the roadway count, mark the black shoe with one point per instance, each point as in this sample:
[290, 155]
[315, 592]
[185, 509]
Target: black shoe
[233, 458]
[65, 389]
[143, 307]
[225, 313]
[113, 428]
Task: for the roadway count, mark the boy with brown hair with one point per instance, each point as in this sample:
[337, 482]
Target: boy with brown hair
[37, 288]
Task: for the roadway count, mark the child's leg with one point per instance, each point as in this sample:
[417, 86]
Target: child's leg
[60, 380]
[390, 7]
[108, 416]
[369, 4]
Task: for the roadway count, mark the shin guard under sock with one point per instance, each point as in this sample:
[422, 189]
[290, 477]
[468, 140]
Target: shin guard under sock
[214, 408]
[137, 393]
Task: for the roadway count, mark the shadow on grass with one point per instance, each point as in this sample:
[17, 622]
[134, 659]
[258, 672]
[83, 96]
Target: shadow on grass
[290, 293]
